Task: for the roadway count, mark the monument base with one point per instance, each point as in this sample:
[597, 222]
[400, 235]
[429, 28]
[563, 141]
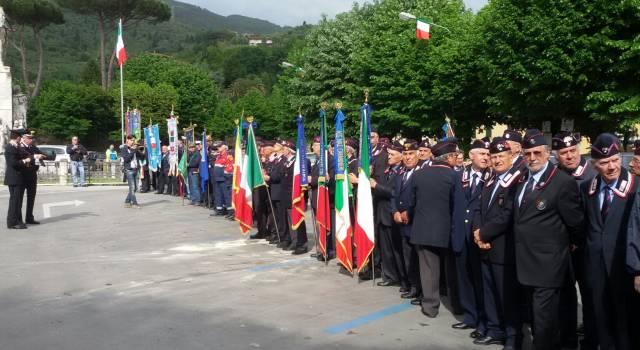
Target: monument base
[6, 106]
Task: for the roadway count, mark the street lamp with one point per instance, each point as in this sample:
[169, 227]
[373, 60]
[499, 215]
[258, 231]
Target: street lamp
[291, 65]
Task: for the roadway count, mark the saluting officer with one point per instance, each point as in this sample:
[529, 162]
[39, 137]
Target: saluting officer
[565, 146]
[31, 174]
[431, 213]
[16, 163]
[608, 200]
[493, 234]
[468, 187]
[548, 220]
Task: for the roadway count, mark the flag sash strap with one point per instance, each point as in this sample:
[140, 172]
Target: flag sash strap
[323, 216]
[343, 221]
[364, 231]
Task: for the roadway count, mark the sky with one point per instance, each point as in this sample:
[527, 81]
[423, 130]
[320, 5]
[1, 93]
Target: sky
[288, 12]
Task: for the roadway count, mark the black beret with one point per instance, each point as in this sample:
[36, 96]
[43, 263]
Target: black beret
[499, 145]
[533, 138]
[444, 147]
[512, 135]
[410, 145]
[424, 144]
[18, 131]
[396, 146]
[563, 140]
[352, 143]
[605, 146]
[482, 144]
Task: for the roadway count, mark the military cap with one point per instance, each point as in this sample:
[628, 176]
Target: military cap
[563, 140]
[424, 144]
[410, 145]
[512, 135]
[605, 146]
[533, 138]
[352, 143]
[444, 147]
[480, 144]
[19, 132]
[396, 146]
[499, 145]
[31, 134]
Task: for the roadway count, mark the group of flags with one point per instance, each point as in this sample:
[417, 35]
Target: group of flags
[248, 176]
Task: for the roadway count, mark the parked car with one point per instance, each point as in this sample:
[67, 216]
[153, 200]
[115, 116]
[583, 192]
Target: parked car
[59, 151]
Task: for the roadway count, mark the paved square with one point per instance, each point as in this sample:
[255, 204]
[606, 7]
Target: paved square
[99, 276]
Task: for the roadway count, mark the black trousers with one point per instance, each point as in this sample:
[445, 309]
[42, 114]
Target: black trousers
[545, 303]
[31, 189]
[469, 276]
[430, 259]
[282, 220]
[162, 183]
[502, 302]
[261, 202]
[390, 247]
[411, 268]
[14, 214]
[299, 235]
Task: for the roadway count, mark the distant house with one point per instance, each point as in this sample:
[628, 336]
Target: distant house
[256, 41]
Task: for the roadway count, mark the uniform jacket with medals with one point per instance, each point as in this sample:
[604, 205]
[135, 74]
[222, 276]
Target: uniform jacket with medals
[465, 205]
[548, 222]
[494, 217]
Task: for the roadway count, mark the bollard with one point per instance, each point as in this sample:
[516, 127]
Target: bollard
[63, 170]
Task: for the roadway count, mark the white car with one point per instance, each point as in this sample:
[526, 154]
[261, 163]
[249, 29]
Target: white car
[59, 150]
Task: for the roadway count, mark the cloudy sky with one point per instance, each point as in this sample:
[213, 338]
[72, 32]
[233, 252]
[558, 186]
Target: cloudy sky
[288, 12]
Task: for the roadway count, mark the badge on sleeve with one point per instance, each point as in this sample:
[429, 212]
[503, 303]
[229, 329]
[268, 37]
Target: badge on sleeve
[541, 204]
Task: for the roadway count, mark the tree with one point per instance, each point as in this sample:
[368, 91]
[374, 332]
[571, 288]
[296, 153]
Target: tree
[63, 109]
[36, 15]
[108, 12]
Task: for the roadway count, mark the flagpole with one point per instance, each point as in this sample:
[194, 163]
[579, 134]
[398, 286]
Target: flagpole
[122, 103]
[367, 122]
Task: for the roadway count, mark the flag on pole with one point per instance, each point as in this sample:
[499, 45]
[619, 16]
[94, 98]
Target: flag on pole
[238, 162]
[422, 29]
[363, 235]
[343, 219]
[251, 178]
[121, 53]
[204, 163]
[323, 215]
[300, 179]
[183, 170]
[448, 129]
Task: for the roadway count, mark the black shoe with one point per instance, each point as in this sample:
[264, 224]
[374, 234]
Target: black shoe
[387, 284]
[416, 302]
[409, 295]
[283, 244]
[476, 334]
[460, 325]
[33, 222]
[316, 255]
[488, 340]
[257, 236]
[300, 250]
[403, 290]
[344, 271]
[289, 248]
[18, 227]
[427, 314]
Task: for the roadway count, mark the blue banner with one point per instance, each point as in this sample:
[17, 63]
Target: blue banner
[152, 142]
[365, 114]
[322, 170]
[301, 146]
[204, 163]
[339, 154]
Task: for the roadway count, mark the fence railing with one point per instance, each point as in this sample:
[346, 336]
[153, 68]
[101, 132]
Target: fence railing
[95, 172]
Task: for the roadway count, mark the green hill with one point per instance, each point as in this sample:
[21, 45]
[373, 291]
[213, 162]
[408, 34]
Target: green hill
[70, 48]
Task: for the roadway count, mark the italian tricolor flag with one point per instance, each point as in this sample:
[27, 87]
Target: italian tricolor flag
[120, 51]
[250, 178]
[422, 29]
[364, 233]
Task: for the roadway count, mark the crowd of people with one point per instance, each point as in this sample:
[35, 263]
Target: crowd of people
[505, 237]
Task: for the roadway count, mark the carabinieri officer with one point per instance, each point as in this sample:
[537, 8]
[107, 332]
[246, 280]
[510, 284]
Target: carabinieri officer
[16, 164]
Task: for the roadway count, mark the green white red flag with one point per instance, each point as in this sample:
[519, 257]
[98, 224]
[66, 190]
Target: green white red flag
[121, 53]
[251, 178]
[422, 29]
[323, 214]
[237, 199]
[364, 231]
[343, 219]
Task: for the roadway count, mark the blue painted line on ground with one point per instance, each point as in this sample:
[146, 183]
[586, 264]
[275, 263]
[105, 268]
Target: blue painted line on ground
[374, 316]
[281, 265]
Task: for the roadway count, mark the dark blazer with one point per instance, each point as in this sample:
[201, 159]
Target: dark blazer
[432, 199]
[194, 162]
[633, 238]
[383, 193]
[545, 227]
[607, 240]
[465, 205]
[276, 176]
[379, 161]
[31, 171]
[495, 219]
[401, 198]
[164, 163]
[78, 153]
[315, 174]
[583, 173]
[15, 167]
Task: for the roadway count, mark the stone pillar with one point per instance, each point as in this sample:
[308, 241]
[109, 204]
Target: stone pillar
[6, 105]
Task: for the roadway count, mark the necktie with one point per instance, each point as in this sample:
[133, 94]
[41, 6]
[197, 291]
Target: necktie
[606, 202]
[474, 183]
[527, 191]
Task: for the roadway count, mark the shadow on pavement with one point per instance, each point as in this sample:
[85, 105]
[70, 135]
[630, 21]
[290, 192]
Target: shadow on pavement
[67, 217]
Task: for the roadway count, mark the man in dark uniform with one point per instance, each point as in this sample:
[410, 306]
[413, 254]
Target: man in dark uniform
[608, 199]
[494, 236]
[425, 155]
[16, 163]
[431, 214]
[260, 199]
[400, 211]
[163, 172]
[313, 184]
[275, 193]
[514, 138]
[145, 174]
[31, 175]
[193, 165]
[389, 240]
[280, 195]
[565, 146]
[548, 220]
[468, 186]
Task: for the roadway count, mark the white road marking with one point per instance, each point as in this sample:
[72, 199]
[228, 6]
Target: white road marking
[46, 207]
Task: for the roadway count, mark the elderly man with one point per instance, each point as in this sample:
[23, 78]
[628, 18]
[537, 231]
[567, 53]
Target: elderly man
[468, 187]
[431, 213]
[547, 222]
[424, 154]
[565, 146]
[608, 201]
[494, 235]
[634, 163]
[514, 139]
[31, 175]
